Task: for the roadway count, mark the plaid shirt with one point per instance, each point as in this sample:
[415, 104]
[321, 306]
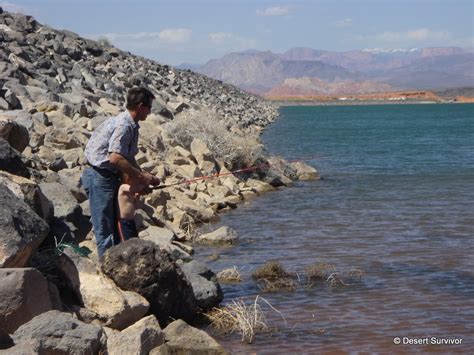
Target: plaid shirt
[117, 134]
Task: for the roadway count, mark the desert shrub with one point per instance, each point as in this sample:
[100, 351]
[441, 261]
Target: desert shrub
[104, 41]
[232, 147]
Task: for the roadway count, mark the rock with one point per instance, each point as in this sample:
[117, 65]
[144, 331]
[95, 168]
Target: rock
[5, 340]
[196, 211]
[164, 237]
[61, 333]
[140, 266]
[30, 193]
[114, 308]
[23, 295]
[12, 100]
[109, 108]
[66, 207]
[181, 338]
[223, 235]
[14, 133]
[62, 140]
[10, 160]
[58, 164]
[21, 230]
[206, 288]
[203, 156]
[139, 338]
[305, 171]
[71, 178]
[259, 186]
[177, 107]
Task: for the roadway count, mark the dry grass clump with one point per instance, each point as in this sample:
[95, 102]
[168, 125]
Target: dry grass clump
[272, 278]
[229, 275]
[345, 278]
[319, 271]
[235, 150]
[239, 317]
[275, 285]
[270, 270]
[355, 274]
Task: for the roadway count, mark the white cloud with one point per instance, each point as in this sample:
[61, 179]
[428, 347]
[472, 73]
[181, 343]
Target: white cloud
[220, 37]
[231, 40]
[274, 11]
[175, 35]
[418, 35]
[343, 23]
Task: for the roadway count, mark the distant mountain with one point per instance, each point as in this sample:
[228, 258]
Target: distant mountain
[261, 71]
[314, 71]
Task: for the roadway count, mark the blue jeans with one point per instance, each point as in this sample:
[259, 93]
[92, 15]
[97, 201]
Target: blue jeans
[102, 187]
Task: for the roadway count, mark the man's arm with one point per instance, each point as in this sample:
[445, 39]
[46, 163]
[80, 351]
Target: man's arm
[122, 164]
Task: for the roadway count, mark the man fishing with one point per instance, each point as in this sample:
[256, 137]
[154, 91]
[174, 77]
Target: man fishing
[110, 153]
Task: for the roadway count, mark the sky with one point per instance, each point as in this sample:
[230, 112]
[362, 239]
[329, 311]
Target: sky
[185, 31]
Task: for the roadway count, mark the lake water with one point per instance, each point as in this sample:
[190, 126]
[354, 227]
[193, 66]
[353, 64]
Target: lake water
[396, 201]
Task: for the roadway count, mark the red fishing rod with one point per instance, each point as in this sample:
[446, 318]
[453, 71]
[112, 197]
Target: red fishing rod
[243, 170]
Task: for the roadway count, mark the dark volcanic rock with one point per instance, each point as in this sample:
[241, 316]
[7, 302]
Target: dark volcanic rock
[59, 333]
[206, 288]
[140, 266]
[10, 160]
[21, 230]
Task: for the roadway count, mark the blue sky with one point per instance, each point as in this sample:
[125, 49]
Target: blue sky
[178, 31]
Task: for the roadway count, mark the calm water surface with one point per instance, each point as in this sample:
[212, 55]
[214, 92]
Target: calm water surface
[397, 201]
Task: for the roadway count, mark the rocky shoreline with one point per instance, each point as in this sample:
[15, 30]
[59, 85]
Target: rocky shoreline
[55, 89]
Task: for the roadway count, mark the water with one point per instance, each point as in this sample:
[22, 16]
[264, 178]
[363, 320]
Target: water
[396, 201]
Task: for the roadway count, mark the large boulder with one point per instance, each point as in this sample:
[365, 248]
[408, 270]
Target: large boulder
[166, 240]
[21, 230]
[139, 338]
[29, 192]
[181, 338]
[206, 288]
[66, 206]
[111, 306]
[60, 333]
[23, 295]
[68, 218]
[141, 266]
[10, 160]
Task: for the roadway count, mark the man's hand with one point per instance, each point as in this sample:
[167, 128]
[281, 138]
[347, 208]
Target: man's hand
[148, 179]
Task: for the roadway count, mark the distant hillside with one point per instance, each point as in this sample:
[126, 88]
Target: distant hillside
[450, 93]
[359, 71]
[261, 71]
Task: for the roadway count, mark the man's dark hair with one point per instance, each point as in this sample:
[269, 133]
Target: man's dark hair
[137, 96]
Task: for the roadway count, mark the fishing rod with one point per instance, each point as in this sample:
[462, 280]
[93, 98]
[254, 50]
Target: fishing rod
[243, 170]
